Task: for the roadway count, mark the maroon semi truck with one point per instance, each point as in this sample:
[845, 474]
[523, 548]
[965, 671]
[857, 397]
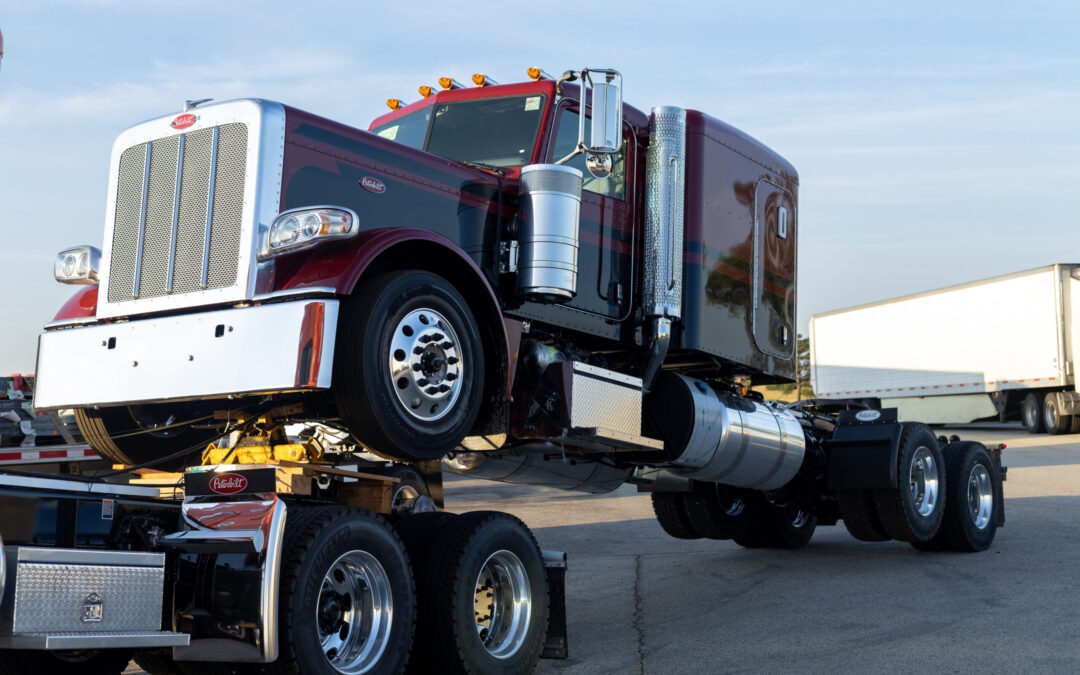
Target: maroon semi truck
[476, 279]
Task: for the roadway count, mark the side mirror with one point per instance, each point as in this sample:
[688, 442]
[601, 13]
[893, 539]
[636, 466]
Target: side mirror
[606, 136]
[605, 133]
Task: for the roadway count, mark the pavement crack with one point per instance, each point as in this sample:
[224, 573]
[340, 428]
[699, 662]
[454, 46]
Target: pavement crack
[639, 618]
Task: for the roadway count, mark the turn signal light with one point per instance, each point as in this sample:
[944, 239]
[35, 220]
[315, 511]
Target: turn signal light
[537, 74]
[449, 83]
[394, 103]
[426, 91]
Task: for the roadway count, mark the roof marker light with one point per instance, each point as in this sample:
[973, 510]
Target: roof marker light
[394, 103]
[426, 91]
[482, 80]
[538, 74]
[450, 83]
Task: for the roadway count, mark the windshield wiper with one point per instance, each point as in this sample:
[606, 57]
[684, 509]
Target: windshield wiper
[480, 165]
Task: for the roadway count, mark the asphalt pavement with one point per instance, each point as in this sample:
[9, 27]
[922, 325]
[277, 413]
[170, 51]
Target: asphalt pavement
[639, 601]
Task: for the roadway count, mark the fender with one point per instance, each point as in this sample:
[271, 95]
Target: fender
[341, 267]
[79, 306]
[863, 455]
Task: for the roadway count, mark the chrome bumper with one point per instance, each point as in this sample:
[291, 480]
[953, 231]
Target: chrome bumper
[287, 346]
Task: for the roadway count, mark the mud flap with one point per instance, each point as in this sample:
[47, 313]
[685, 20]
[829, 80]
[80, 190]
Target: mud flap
[863, 450]
[555, 645]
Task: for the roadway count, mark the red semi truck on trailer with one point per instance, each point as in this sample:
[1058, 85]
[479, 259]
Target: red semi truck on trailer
[478, 279]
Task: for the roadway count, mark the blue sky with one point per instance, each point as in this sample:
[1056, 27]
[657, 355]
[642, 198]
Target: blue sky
[936, 143]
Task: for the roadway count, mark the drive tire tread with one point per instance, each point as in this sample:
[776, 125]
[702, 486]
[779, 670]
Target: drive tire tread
[860, 515]
[439, 630]
[957, 532]
[896, 514]
[306, 526]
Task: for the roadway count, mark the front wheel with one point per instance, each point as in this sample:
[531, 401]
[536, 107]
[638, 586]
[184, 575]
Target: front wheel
[142, 433]
[409, 366]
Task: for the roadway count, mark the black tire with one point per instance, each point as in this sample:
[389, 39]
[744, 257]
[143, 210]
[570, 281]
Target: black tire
[914, 509]
[718, 511]
[82, 662]
[1053, 420]
[367, 391]
[322, 543]
[785, 526]
[1074, 426]
[417, 531]
[465, 547]
[158, 663]
[126, 435]
[1031, 413]
[860, 515]
[971, 509]
[671, 513]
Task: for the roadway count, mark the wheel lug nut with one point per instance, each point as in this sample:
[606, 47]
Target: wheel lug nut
[451, 376]
[423, 382]
[437, 336]
[452, 360]
[432, 391]
[418, 350]
[443, 388]
[417, 366]
[426, 339]
[447, 345]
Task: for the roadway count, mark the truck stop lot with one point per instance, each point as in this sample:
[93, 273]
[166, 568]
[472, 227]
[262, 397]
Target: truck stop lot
[639, 601]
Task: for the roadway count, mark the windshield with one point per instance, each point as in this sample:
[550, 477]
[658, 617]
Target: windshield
[498, 132]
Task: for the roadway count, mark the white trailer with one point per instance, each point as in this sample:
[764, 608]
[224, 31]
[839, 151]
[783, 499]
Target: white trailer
[1002, 347]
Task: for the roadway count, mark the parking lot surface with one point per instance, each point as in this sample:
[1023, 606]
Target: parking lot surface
[639, 601]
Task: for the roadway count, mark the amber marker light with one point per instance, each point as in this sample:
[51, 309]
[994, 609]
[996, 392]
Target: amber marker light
[482, 80]
[394, 103]
[449, 83]
[426, 91]
[535, 74]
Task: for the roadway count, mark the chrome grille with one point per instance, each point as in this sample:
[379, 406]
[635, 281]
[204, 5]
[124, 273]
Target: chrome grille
[156, 230]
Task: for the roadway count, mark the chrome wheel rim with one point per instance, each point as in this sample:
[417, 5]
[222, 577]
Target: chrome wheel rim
[425, 364]
[1030, 415]
[354, 612]
[923, 481]
[799, 518]
[1051, 416]
[502, 604]
[980, 495]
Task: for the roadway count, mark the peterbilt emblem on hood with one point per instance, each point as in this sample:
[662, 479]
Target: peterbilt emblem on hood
[183, 121]
[373, 185]
[228, 483]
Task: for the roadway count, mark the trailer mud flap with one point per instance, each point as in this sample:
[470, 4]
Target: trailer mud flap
[863, 451]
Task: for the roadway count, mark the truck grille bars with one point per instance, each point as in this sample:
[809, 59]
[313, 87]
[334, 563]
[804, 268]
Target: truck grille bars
[179, 205]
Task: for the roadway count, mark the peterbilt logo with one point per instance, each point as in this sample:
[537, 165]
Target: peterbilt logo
[868, 415]
[373, 185]
[183, 121]
[92, 609]
[228, 483]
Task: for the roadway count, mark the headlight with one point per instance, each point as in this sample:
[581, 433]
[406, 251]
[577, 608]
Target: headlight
[301, 228]
[77, 265]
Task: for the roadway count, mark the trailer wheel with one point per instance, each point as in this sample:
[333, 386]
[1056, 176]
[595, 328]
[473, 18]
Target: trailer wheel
[860, 515]
[914, 509]
[346, 602]
[409, 367]
[718, 511]
[672, 514]
[1053, 420]
[75, 662]
[137, 434]
[971, 507]
[1031, 413]
[484, 598]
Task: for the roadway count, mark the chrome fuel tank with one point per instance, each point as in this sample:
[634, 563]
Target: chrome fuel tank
[724, 439]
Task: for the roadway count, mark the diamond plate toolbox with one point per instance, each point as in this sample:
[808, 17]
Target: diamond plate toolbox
[605, 399]
[81, 591]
